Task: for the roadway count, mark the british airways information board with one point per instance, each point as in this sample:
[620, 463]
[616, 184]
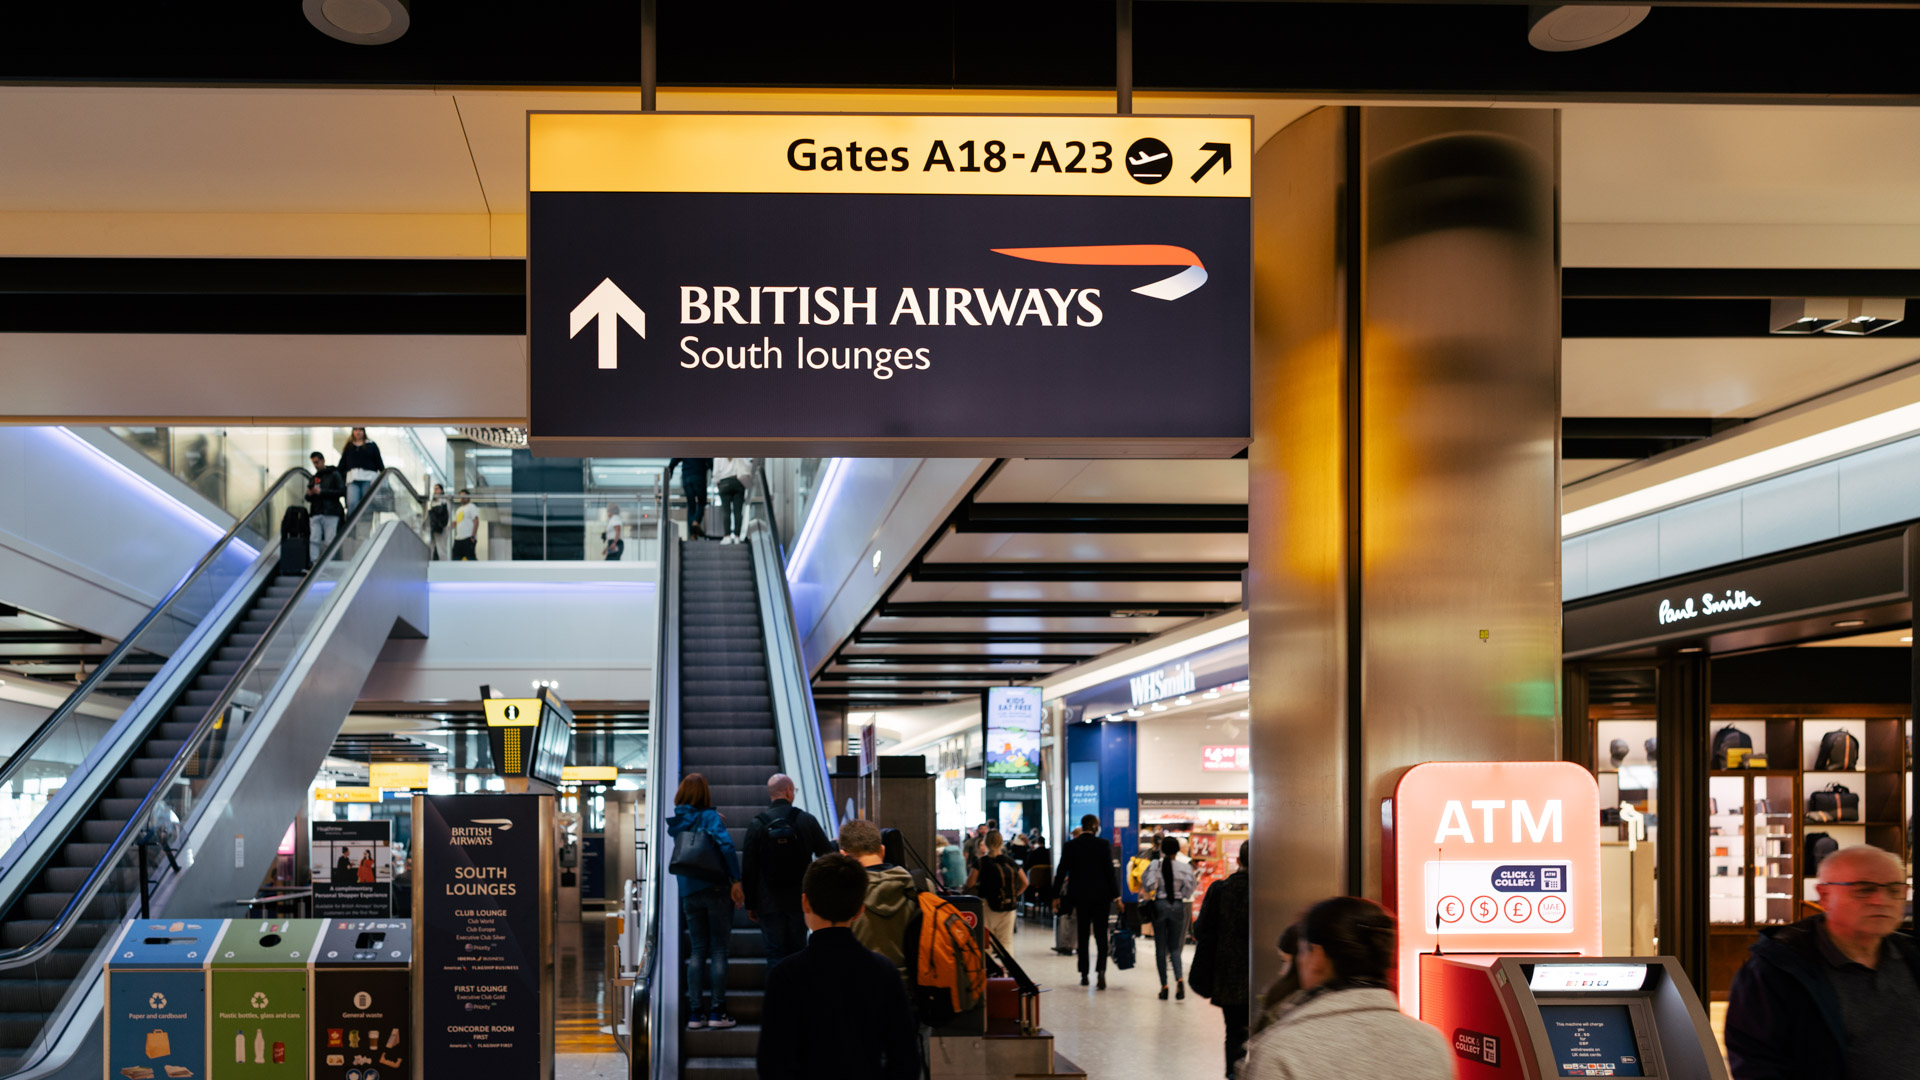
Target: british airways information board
[889, 284]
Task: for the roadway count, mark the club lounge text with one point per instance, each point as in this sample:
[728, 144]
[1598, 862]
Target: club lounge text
[803, 305]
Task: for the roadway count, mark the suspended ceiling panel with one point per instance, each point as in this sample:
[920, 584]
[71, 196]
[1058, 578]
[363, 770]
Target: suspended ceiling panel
[1031, 481]
[1739, 378]
[1009, 624]
[1090, 547]
[1220, 592]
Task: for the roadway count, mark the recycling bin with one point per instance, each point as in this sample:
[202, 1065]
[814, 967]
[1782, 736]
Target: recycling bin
[363, 1000]
[156, 1014]
[258, 999]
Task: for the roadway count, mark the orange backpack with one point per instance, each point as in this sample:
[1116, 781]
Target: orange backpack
[950, 972]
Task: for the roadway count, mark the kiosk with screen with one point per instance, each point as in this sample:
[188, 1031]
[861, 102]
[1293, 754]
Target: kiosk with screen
[1541, 1018]
[1493, 871]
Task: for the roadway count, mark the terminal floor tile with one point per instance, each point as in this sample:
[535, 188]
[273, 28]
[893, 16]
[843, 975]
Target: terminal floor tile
[1124, 1030]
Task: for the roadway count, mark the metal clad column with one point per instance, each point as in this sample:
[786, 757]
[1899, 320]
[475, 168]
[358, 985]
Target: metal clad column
[1404, 475]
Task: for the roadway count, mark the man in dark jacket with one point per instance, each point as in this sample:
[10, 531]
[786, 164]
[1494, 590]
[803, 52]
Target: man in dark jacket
[779, 845]
[1837, 995]
[1085, 879]
[836, 1010]
[1219, 968]
[323, 505]
[693, 484]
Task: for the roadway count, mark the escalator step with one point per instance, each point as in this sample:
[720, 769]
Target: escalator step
[132, 787]
[762, 760]
[759, 706]
[703, 736]
[161, 748]
[81, 853]
[734, 1042]
[691, 688]
[121, 809]
[720, 774]
[222, 667]
[44, 905]
[179, 729]
[186, 714]
[754, 795]
[202, 698]
[147, 767]
[253, 624]
[17, 1029]
[99, 832]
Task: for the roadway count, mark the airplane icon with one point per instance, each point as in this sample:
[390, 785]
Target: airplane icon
[1143, 159]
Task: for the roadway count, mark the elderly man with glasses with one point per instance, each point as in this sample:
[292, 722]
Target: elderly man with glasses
[1836, 995]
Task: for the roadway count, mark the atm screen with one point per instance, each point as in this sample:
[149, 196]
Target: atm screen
[1592, 1040]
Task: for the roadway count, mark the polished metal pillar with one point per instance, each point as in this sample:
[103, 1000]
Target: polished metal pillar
[1405, 578]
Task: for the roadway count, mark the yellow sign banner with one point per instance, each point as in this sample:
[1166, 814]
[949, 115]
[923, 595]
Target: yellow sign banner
[891, 154]
[397, 775]
[588, 774]
[512, 712]
[347, 794]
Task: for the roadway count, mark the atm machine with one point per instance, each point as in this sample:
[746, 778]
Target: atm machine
[1493, 869]
[1543, 1017]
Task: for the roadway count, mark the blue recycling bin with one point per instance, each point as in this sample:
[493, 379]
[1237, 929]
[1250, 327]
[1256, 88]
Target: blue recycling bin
[156, 1014]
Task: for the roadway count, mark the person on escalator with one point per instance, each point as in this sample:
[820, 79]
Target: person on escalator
[693, 484]
[733, 474]
[324, 490]
[360, 461]
[708, 868]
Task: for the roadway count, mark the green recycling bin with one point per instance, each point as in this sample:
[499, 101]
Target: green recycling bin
[258, 1000]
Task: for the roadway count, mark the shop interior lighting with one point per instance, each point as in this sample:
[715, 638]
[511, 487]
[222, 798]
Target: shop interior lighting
[1157, 707]
[1690, 648]
[359, 22]
[1908, 640]
[1847, 624]
[1135, 712]
[1183, 700]
[1773, 461]
[1870, 316]
[1569, 27]
[1211, 694]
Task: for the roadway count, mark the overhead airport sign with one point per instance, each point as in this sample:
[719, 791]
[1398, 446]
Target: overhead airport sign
[889, 284]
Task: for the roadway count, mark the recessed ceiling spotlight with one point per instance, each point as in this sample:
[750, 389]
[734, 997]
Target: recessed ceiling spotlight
[1183, 700]
[1157, 707]
[1135, 712]
[1868, 316]
[1211, 694]
[1906, 640]
[1806, 316]
[359, 22]
[1690, 648]
[1847, 624]
[1567, 27]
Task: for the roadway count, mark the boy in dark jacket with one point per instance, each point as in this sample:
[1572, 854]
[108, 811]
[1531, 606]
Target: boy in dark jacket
[1837, 995]
[836, 1010]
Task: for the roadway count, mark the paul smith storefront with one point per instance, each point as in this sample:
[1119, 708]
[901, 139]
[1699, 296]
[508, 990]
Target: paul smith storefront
[1756, 715]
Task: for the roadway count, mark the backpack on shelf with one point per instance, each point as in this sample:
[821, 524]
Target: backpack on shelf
[949, 970]
[1835, 802]
[1839, 752]
[1819, 846]
[1726, 738]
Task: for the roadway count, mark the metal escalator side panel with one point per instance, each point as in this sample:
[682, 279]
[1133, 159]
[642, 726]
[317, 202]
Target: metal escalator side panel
[666, 972]
[802, 753]
[101, 764]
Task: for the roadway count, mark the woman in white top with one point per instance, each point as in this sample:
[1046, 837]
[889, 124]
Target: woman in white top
[731, 477]
[1166, 885]
[1344, 1022]
[616, 545]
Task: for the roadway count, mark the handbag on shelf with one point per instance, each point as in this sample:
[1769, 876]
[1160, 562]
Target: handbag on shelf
[1835, 802]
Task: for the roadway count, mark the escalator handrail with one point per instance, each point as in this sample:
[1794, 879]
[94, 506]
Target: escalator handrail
[26, 750]
[657, 982]
[190, 747]
[803, 693]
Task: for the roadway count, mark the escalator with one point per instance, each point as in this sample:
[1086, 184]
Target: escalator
[731, 702]
[257, 669]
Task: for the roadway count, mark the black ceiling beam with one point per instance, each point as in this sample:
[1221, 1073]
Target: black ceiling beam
[999, 637]
[919, 677]
[1681, 318]
[1061, 659]
[1711, 283]
[1048, 609]
[1617, 449]
[8, 611]
[947, 573]
[48, 637]
[1101, 518]
[1642, 427]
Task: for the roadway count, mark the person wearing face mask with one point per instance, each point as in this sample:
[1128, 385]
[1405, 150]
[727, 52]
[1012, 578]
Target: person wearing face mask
[1836, 995]
[1344, 1022]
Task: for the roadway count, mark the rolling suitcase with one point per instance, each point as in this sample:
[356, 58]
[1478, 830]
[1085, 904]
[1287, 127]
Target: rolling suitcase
[1120, 948]
[296, 528]
[1063, 942]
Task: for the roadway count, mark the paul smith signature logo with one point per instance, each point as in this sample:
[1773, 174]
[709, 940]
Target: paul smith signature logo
[1729, 600]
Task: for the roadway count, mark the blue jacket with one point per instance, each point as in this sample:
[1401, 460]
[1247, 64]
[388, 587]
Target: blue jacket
[1783, 1016]
[709, 819]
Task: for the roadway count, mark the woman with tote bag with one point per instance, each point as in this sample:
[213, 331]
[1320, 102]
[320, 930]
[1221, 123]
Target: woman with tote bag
[708, 869]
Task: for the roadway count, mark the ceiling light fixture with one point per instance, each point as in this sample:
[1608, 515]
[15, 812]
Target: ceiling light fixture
[1806, 316]
[1568, 27]
[1211, 694]
[359, 22]
[1908, 640]
[1135, 712]
[1183, 700]
[1848, 624]
[1870, 316]
[1690, 648]
[1157, 707]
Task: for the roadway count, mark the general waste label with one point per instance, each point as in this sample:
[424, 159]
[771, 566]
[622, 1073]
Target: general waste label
[1497, 897]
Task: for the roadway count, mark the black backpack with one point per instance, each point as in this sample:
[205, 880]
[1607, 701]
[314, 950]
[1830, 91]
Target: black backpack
[997, 883]
[782, 852]
[1819, 846]
[1729, 737]
[1839, 751]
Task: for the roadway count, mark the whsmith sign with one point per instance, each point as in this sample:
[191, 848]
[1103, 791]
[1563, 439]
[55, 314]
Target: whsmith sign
[949, 285]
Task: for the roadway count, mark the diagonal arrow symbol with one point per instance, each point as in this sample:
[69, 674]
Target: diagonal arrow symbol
[1222, 153]
[609, 305]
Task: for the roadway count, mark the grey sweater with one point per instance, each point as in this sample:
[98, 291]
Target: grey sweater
[1348, 1033]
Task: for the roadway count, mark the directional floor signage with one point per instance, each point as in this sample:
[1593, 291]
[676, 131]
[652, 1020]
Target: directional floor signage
[889, 284]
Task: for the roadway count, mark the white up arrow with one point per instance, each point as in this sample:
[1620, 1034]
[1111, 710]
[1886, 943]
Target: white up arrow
[608, 304]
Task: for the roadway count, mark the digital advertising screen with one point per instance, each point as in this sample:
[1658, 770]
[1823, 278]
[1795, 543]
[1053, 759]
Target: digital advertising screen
[1012, 732]
[1592, 1040]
